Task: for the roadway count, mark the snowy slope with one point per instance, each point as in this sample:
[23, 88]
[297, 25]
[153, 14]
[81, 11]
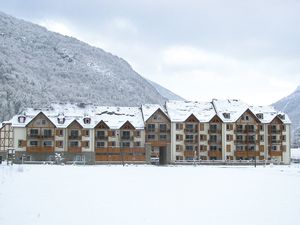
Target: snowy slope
[291, 106]
[145, 195]
[165, 92]
[38, 66]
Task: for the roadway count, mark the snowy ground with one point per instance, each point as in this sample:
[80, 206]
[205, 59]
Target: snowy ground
[143, 195]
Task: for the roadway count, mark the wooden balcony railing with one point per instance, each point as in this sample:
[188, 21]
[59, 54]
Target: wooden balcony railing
[39, 149]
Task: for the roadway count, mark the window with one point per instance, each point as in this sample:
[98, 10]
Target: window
[60, 132]
[126, 144]
[261, 127]
[203, 137]
[137, 133]
[34, 132]
[87, 120]
[21, 119]
[33, 143]
[189, 148]
[239, 127]
[151, 127]
[226, 115]
[260, 116]
[74, 133]
[247, 117]
[47, 133]
[179, 137]
[43, 122]
[189, 127]
[47, 143]
[86, 144]
[203, 148]
[126, 134]
[59, 144]
[100, 144]
[162, 137]
[178, 126]
[74, 144]
[162, 127]
[189, 137]
[213, 138]
[212, 148]
[178, 148]
[239, 148]
[213, 127]
[283, 137]
[262, 138]
[251, 138]
[61, 120]
[100, 134]
[239, 137]
[151, 136]
[227, 137]
[113, 133]
[137, 144]
[274, 148]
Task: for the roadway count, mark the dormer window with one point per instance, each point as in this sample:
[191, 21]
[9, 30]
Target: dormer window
[21, 119]
[87, 120]
[61, 120]
[260, 116]
[281, 116]
[226, 115]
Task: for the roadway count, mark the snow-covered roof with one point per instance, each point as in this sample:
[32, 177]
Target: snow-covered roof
[268, 113]
[179, 111]
[229, 110]
[114, 117]
[149, 109]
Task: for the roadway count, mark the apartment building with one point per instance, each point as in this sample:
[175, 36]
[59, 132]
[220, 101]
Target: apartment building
[178, 131]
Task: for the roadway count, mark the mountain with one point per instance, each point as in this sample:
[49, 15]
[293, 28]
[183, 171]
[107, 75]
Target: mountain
[291, 106]
[39, 67]
[165, 92]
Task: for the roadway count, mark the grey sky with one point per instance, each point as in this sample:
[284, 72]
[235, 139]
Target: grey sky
[199, 49]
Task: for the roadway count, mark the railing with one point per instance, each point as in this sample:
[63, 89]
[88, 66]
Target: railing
[40, 149]
[274, 131]
[246, 153]
[216, 142]
[215, 153]
[39, 136]
[190, 141]
[190, 130]
[214, 131]
[275, 153]
[74, 137]
[101, 137]
[74, 149]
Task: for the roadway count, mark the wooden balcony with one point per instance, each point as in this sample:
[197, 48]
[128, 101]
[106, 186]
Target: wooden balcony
[246, 153]
[274, 131]
[214, 142]
[156, 143]
[214, 131]
[246, 142]
[190, 141]
[38, 136]
[190, 130]
[215, 153]
[189, 153]
[120, 154]
[275, 153]
[101, 138]
[74, 137]
[74, 149]
[39, 149]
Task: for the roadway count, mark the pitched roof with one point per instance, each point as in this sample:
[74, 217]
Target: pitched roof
[149, 109]
[179, 111]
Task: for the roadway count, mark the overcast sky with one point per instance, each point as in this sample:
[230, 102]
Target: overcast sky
[200, 50]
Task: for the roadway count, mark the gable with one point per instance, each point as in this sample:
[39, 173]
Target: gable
[251, 117]
[75, 125]
[102, 125]
[127, 126]
[158, 116]
[192, 119]
[40, 120]
[216, 119]
[276, 120]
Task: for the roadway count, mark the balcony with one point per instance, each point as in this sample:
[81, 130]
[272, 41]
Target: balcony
[190, 130]
[275, 153]
[189, 153]
[275, 131]
[39, 136]
[74, 137]
[39, 149]
[74, 149]
[246, 142]
[126, 137]
[190, 141]
[101, 137]
[215, 153]
[246, 153]
[214, 131]
[214, 142]
[276, 141]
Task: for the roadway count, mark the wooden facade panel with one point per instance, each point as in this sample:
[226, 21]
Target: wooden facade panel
[74, 149]
[275, 153]
[246, 153]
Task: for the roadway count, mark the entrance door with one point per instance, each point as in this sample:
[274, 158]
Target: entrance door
[162, 155]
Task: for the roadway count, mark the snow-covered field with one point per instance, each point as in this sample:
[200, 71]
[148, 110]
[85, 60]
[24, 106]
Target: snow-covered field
[142, 195]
